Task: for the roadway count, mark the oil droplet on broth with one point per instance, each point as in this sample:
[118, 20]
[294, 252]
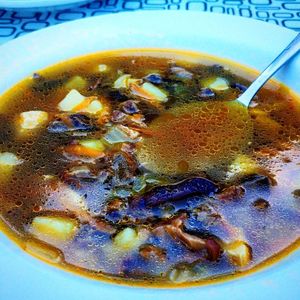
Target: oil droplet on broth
[196, 136]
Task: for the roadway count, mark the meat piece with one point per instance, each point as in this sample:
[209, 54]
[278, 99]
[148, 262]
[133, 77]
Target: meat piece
[261, 204]
[102, 225]
[195, 243]
[239, 252]
[231, 193]
[152, 252]
[114, 204]
[296, 193]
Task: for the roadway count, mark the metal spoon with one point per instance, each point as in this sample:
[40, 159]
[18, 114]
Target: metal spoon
[287, 53]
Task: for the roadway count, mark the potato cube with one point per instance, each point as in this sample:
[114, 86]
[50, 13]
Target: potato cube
[33, 119]
[154, 92]
[239, 252]
[129, 239]
[94, 107]
[7, 163]
[122, 81]
[53, 228]
[73, 99]
[217, 84]
[102, 68]
[9, 159]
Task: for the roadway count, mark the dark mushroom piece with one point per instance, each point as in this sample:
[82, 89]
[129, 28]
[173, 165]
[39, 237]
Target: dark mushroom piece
[206, 93]
[174, 192]
[130, 107]
[66, 123]
[154, 78]
[242, 88]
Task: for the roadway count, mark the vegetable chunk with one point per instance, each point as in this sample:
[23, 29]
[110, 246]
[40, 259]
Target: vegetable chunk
[9, 159]
[33, 119]
[129, 239]
[149, 91]
[77, 103]
[102, 68]
[48, 228]
[239, 253]
[217, 84]
[73, 99]
[7, 163]
[144, 90]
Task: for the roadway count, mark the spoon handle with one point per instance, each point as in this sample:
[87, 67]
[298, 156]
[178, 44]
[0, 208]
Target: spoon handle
[277, 63]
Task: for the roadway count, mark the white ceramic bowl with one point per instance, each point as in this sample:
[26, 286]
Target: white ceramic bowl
[246, 41]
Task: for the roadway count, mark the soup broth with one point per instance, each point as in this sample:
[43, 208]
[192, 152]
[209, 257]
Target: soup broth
[139, 167]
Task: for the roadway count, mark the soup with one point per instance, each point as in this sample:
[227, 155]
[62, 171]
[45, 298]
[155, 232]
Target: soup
[139, 167]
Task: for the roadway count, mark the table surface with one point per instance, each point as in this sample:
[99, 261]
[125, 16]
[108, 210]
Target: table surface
[15, 23]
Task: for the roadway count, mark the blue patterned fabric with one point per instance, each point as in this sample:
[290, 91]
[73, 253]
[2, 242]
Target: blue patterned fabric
[14, 23]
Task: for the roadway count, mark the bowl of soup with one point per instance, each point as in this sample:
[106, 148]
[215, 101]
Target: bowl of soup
[136, 166]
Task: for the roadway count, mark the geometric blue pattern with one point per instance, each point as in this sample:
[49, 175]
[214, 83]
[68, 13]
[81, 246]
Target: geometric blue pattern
[14, 23]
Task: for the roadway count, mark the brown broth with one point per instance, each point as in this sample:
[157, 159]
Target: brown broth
[272, 230]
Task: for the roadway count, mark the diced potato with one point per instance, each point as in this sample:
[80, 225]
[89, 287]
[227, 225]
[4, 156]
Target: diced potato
[181, 274]
[7, 163]
[76, 82]
[129, 239]
[73, 99]
[239, 252]
[33, 119]
[94, 107]
[9, 159]
[75, 102]
[43, 251]
[102, 68]
[149, 91]
[122, 81]
[242, 165]
[218, 84]
[52, 228]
